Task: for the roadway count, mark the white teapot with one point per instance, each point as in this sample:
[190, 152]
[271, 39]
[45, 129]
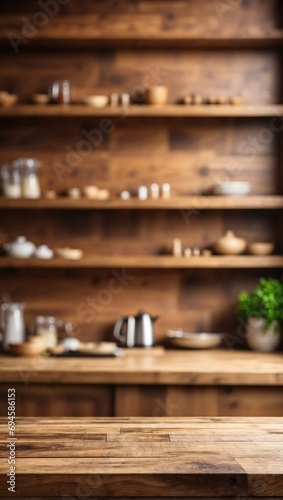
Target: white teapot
[20, 248]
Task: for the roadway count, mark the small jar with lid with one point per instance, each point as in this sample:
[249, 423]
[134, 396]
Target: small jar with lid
[29, 176]
[11, 181]
[60, 92]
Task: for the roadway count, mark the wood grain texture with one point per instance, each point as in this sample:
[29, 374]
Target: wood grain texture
[145, 111]
[216, 367]
[173, 203]
[192, 152]
[147, 23]
[221, 464]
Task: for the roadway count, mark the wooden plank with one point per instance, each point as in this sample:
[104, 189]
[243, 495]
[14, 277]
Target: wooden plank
[174, 203]
[148, 262]
[145, 111]
[139, 469]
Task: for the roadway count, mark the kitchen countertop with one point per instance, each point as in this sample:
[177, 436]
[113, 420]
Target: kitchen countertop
[146, 457]
[211, 367]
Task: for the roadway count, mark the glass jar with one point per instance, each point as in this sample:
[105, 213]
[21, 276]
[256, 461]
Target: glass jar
[60, 92]
[29, 177]
[11, 181]
[47, 328]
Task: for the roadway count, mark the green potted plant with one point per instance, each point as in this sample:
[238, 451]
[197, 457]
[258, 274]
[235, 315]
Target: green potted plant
[262, 309]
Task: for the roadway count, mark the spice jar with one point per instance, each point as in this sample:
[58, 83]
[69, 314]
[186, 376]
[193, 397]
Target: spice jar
[29, 176]
[60, 92]
[11, 181]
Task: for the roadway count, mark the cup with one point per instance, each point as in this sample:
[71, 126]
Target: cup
[157, 95]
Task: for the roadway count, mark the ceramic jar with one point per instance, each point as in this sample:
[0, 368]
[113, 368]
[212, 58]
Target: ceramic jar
[230, 244]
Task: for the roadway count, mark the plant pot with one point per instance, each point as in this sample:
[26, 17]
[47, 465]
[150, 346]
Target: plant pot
[260, 338]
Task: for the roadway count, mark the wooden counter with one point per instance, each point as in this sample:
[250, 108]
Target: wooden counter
[221, 367]
[146, 458]
[170, 383]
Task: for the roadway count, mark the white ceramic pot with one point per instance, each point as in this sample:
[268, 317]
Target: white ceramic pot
[261, 339]
[20, 248]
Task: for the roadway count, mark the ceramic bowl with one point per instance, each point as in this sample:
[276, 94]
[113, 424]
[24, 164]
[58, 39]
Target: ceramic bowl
[98, 101]
[260, 248]
[194, 340]
[231, 188]
[31, 348]
[40, 98]
[7, 100]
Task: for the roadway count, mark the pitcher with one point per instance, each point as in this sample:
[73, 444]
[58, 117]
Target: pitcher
[12, 323]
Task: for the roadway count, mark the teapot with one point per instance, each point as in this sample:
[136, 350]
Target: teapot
[20, 248]
[135, 331]
[12, 324]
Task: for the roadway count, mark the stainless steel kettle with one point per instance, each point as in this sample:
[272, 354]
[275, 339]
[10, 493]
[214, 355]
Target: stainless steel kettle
[135, 331]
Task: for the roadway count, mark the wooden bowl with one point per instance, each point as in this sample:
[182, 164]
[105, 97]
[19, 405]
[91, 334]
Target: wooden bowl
[98, 101]
[8, 100]
[69, 253]
[260, 248]
[40, 98]
[28, 349]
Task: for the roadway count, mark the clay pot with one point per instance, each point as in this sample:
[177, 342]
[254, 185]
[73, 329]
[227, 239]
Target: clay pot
[262, 339]
[230, 244]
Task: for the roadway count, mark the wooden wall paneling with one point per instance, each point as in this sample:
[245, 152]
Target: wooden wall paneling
[196, 300]
[137, 400]
[254, 75]
[198, 401]
[148, 19]
[191, 154]
[60, 400]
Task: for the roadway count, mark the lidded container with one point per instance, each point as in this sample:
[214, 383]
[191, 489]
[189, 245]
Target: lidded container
[47, 328]
[29, 176]
[60, 92]
[11, 181]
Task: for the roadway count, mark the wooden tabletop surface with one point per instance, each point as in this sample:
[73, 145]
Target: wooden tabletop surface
[145, 458]
[212, 367]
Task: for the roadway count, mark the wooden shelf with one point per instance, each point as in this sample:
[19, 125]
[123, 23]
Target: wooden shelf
[169, 110]
[149, 262]
[90, 31]
[174, 203]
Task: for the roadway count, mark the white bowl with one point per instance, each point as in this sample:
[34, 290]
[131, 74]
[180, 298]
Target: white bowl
[194, 340]
[236, 188]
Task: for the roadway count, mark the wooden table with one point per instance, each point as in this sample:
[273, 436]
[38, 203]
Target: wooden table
[145, 458]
